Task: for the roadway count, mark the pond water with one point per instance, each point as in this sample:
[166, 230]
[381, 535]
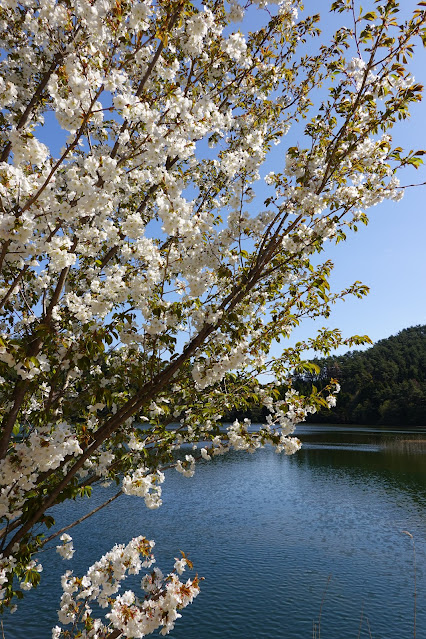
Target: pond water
[274, 536]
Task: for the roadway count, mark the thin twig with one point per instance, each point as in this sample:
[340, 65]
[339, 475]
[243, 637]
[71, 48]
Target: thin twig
[355, 29]
[409, 186]
[322, 603]
[360, 621]
[369, 629]
[415, 579]
[78, 521]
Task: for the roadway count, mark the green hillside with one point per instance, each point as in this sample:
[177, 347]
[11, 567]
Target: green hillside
[385, 384]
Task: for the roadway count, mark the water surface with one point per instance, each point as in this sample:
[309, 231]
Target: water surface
[267, 531]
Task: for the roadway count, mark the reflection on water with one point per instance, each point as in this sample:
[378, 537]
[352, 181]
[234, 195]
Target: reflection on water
[267, 530]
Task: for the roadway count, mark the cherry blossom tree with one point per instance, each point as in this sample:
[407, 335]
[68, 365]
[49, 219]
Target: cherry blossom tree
[143, 284]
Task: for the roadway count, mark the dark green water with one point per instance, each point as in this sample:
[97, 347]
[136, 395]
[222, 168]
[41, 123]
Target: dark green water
[267, 530]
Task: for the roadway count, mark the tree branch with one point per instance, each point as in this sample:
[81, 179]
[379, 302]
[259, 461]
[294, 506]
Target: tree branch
[78, 521]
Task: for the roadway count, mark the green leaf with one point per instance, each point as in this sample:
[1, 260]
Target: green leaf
[371, 15]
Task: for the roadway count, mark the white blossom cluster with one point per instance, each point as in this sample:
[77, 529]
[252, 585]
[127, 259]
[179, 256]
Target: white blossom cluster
[133, 617]
[66, 549]
[145, 484]
[186, 467]
[42, 452]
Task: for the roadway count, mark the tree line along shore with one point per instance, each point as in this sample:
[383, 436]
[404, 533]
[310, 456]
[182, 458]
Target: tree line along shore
[383, 385]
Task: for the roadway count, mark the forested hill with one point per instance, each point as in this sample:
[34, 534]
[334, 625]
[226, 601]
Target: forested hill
[385, 384]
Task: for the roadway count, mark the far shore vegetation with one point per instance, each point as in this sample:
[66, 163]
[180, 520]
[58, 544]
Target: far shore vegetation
[383, 385]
